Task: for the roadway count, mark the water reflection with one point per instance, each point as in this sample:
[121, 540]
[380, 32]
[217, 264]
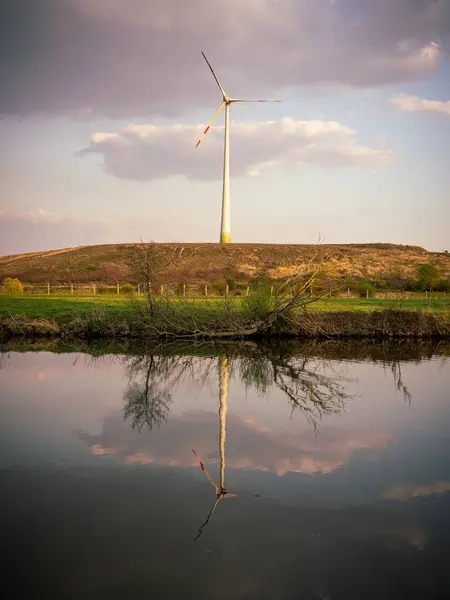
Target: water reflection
[316, 389]
[221, 492]
[349, 460]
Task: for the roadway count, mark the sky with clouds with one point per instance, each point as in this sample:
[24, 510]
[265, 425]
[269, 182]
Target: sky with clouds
[102, 103]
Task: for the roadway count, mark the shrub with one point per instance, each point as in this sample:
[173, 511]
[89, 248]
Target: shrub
[258, 304]
[127, 289]
[443, 285]
[219, 286]
[12, 286]
[231, 283]
[260, 284]
[364, 289]
[427, 277]
[381, 284]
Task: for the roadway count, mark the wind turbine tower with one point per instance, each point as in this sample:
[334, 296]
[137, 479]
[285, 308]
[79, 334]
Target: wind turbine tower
[225, 224]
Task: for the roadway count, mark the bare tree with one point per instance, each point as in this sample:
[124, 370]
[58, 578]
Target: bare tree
[152, 264]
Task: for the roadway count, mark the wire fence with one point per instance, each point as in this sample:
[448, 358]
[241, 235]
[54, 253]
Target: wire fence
[206, 290]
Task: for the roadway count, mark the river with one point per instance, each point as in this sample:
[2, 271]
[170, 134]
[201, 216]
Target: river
[234, 471]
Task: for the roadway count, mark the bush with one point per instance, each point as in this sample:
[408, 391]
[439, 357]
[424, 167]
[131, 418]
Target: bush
[219, 286]
[427, 277]
[12, 286]
[443, 285]
[127, 289]
[231, 283]
[258, 304]
[381, 284]
[260, 284]
[364, 289]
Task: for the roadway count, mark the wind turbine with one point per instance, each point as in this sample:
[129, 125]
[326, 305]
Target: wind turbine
[221, 492]
[225, 225]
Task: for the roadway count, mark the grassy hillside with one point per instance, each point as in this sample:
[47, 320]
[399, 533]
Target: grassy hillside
[209, 262]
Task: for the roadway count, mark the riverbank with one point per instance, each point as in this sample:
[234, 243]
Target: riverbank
[383, 324]
[106, 317]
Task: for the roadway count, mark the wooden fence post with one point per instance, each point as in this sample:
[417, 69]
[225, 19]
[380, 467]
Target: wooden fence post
[48, 289]
[139, 289]
[367, 293]
[348, 292]
[118, 288]
[206, 290]
[184, 289]
[227, 290]
[94, 289]
[71, 288]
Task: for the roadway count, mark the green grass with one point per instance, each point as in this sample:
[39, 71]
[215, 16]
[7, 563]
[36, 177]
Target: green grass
[63, 309]
[436, 306]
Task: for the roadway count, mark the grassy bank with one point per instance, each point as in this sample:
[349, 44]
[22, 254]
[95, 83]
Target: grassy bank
[62, 309]
[115, 317]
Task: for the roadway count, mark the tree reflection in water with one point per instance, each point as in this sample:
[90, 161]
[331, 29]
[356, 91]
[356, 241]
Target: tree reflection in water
[310, 386]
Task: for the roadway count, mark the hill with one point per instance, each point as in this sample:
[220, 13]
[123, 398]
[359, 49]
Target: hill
[209, 262]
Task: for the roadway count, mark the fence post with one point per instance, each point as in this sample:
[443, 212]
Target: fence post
[118, 288]
[227, 290]
[206, 290]
[367, 293]
[71, 288]
[94, 289]
[48, 289]
[184, 289]
[348, 292]
[139, 289]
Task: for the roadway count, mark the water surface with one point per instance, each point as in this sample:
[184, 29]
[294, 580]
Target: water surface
[234, 472]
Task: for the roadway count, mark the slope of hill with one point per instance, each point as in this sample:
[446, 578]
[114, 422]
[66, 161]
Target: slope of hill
[209, 262]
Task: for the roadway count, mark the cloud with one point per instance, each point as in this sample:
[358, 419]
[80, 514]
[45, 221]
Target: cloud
[410, 490]
[251, 445]
[34, 231]
[416, 104]
[146, 152]
[128, 58]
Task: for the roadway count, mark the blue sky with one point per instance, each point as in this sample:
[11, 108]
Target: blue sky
[357, 151]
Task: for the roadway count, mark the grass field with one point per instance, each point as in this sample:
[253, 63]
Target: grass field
[63, 309]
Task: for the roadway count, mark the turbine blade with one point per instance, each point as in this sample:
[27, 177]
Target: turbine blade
[210, 124]
[202, 467]
[214, 75]
[241, 100]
